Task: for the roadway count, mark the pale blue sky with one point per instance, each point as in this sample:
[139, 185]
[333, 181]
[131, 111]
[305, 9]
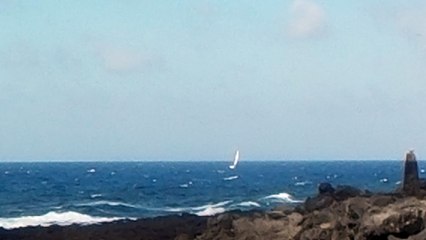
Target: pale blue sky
[195, 80]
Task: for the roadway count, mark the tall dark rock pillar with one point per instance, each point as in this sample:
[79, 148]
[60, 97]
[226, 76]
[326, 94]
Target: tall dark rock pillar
[411, 184]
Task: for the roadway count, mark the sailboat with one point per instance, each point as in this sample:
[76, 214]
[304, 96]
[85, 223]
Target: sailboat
[236, 158]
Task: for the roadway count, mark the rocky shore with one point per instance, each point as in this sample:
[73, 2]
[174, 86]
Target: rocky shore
[335, 213]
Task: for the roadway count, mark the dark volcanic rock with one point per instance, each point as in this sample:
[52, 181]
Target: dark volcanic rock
[318, 202]
[344, 192]
[325, 188]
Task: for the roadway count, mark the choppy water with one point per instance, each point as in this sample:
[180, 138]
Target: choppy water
[89, 192]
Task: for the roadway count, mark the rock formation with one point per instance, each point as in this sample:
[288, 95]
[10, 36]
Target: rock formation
[344, 214]
[411, 182]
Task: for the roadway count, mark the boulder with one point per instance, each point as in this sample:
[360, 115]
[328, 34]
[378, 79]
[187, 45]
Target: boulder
[344, 192]
[325, 188]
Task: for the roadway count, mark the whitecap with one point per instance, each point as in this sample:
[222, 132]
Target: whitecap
[6, 172]
[303, 183]
[53, 218]
[210, 211]
[96, 195]
[282, 197]
[249, 204]
[109, 203]
[384, 180]
[230, 178]
[422, 170]
[91, 170]
[219, 204]
[220, 171]
[398, 182]
[183, 185]
[200, 209]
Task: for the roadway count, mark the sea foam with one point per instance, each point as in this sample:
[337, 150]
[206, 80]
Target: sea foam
[210, 211]
[249, 204]
[109, 203]
[204, 210]
[53, 218]
[282, 197]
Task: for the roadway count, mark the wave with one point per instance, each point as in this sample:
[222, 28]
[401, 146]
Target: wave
[96, 195]
[210, 211]
[230, 178]
[53, 218]
[109, 203]
[303, 183]
[249, 204]
[205, 210]
[282, 197]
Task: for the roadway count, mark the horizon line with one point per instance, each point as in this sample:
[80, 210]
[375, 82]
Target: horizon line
[169, 160]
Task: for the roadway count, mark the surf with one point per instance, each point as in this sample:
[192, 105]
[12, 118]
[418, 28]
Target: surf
[282, 197]
[54, 218]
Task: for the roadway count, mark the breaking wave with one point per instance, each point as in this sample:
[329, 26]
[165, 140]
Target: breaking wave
[282, 197]
[109, 203]
[53, 218]
[205, 210]
[249, 204]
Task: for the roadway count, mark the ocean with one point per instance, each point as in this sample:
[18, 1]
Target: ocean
[46, 193]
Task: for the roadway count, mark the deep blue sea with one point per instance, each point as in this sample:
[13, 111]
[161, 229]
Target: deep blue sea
[90, 192]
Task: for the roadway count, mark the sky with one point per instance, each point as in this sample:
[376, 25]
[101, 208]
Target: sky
[198, 79]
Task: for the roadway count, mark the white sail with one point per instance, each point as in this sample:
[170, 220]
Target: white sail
[236, 159]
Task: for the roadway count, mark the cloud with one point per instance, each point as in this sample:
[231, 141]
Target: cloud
[308, 20]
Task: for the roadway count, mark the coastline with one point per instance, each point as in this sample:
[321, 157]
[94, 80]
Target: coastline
[341, 212]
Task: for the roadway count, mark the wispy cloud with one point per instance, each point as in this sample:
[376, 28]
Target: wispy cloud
[308, 19]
